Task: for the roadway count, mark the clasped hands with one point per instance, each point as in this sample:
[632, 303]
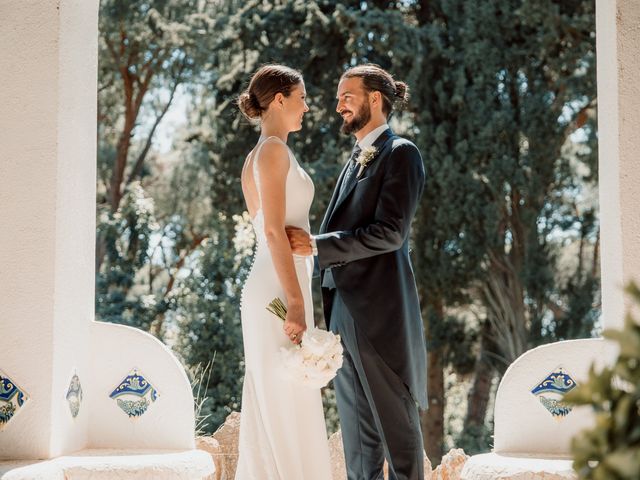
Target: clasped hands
[299, 240]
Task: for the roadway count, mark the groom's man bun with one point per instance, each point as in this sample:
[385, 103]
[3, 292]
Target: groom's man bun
[402, 93]
[265, 84]
[394, 93]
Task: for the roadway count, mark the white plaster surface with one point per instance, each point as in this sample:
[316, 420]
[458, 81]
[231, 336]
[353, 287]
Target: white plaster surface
[522, 424]
[618, 44]
[74, 271]
[27, 248]
[493, 466]
[115, 464]
[47, 210]
[169, 421]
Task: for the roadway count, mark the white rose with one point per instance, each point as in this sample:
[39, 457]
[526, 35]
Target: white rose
[315, 340]
[315, 362]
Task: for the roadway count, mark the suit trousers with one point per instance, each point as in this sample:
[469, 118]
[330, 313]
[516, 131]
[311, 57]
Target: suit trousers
[378, 417]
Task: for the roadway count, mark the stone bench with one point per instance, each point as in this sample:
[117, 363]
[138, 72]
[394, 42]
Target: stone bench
[110, 464]
[495, 466]
[533, 428]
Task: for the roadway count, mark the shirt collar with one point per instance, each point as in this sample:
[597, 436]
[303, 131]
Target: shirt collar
[372, 136]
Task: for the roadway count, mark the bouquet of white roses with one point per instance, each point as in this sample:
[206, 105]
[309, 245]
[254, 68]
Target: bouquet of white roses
[316, 360]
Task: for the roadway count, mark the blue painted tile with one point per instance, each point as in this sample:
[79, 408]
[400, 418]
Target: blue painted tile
[134, 394]
[12, 399]
[74, 395]
[551, 390]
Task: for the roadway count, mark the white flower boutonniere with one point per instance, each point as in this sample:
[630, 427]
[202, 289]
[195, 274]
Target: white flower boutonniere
[366, 155]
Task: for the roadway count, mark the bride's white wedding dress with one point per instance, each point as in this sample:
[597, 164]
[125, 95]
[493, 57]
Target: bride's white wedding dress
[282, 428]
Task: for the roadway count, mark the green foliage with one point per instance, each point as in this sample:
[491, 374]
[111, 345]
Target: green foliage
[455, 338]
[147, 49]
[209, 325]
[200, 378]
[503, 85]
[330, 405]
[475, 439]
[127, 233]
[611, 449]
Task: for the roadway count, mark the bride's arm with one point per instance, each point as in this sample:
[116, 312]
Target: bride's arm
[273, 166]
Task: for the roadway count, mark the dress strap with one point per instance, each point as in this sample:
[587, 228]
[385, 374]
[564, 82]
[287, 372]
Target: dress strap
[256, 155]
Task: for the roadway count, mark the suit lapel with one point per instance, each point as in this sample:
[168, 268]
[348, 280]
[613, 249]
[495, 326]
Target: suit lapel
[378, 144]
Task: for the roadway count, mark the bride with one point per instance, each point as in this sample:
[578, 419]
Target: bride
[282, 427]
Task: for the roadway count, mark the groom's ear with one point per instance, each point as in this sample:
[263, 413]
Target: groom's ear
[376, 98]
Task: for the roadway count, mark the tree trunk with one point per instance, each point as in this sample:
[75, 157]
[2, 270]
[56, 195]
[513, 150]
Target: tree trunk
[432, 420]
[101, 251]
[478, 398]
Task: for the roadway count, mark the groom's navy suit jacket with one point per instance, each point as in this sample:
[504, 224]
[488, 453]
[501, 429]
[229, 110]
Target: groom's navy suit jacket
[364, 239]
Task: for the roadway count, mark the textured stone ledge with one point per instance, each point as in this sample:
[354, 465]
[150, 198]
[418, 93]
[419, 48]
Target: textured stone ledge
[494, 466]
[114, 464]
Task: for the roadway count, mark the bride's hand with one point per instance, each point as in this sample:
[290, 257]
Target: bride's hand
[294, 324]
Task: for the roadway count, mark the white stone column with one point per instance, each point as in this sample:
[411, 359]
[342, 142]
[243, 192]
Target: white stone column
[618, 57]
[48, 63]
[48, 102]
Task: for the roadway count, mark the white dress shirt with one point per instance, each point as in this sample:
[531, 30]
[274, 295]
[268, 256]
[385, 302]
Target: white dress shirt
[372, 136]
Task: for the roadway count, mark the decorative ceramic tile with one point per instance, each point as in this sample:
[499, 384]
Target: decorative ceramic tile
[551, 391]
[12, 398]
[134, 394]
[74, 395]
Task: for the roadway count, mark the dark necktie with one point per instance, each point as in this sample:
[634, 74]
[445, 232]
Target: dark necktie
[348, 176]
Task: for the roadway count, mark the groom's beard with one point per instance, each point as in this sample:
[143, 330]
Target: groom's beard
[358, 121]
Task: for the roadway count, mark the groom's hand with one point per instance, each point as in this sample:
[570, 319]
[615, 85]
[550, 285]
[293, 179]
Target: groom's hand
[299, 240]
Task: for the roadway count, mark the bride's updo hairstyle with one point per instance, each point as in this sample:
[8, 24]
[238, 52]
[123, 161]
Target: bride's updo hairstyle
[268, 81]
[395, 94]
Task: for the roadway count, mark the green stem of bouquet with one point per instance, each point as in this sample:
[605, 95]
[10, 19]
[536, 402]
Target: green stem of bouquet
[278, 308]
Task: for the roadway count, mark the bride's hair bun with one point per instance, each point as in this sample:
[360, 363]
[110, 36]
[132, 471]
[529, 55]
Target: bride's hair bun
[402, 92]
[249, 105]
[265, 84]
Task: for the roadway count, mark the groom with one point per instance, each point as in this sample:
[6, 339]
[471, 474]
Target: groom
[368, 288]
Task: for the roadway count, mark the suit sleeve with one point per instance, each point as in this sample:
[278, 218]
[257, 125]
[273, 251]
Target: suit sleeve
[397, 203]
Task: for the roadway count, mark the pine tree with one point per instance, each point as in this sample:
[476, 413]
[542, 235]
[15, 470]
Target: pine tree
[503, 86]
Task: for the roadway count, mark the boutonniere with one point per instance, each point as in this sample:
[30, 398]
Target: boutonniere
[366, 155]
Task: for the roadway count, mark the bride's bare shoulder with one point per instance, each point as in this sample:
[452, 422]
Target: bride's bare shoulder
[273, 151]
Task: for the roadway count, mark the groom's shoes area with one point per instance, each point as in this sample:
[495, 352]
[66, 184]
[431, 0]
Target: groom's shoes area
[378, 416]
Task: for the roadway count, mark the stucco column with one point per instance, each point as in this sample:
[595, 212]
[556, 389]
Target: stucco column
[618, 56]
[48, 90]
